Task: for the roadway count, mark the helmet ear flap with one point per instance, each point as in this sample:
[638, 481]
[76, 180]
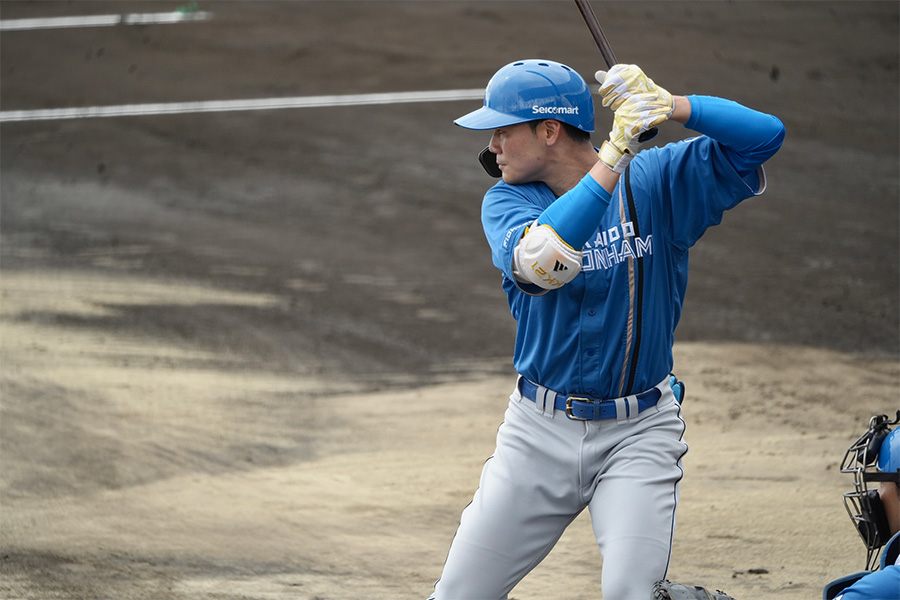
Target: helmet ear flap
[488, 160]
[872, 523]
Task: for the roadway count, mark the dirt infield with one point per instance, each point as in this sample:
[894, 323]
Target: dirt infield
[263, 354]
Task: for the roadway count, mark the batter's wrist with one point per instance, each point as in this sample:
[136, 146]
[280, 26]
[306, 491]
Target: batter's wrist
[682, 110]
[613, 158]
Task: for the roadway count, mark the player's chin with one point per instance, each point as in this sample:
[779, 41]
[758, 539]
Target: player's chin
[510, 176]
[518, 176]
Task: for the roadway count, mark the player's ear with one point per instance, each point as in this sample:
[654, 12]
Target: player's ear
[552, 129]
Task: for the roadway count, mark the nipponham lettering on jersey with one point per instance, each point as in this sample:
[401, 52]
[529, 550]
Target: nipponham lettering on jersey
[614, 246]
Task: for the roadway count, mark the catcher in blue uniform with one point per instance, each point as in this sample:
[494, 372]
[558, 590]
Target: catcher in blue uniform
[874, 458]
[593, 251]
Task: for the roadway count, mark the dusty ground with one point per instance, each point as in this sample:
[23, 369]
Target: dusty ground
[264, 355]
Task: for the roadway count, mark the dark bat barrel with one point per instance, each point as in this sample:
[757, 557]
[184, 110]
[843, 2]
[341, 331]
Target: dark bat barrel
[590, 19]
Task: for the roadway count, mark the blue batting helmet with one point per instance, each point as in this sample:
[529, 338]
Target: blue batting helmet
[528, 90]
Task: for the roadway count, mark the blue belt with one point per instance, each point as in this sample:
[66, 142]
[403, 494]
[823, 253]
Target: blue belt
[583, 408]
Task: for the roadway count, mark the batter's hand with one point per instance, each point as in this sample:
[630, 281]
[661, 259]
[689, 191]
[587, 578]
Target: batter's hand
[624, 83]
[621, 147]
[630, 124]
[640, 107]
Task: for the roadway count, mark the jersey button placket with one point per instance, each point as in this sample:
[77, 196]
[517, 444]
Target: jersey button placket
[591, 330]
[591, 357]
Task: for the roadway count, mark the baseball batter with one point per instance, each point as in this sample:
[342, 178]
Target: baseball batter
[593, 249]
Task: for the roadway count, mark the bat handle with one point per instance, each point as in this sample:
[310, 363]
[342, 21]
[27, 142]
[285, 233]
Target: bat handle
[648, 135]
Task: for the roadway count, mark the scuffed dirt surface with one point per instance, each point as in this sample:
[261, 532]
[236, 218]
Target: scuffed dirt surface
[264, 354]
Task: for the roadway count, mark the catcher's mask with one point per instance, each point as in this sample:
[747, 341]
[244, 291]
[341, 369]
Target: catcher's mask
[874, 457]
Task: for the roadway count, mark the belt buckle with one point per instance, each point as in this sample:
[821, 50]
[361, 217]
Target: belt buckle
[569, 407]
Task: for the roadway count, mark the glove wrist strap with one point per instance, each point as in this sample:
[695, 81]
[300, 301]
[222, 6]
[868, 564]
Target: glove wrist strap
[614, 158]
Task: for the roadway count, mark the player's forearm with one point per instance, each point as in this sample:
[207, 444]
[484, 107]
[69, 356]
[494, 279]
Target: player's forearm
[605, 176]
[575, 215]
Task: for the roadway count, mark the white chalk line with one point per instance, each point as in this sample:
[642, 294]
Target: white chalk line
[174, 108]
[103, 20]
[170, 108]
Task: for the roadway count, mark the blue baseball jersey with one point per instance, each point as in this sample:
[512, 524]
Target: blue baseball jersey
[610, 331]
[880, 585]
[883, 584]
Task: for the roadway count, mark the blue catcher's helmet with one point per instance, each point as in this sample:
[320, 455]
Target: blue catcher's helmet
[528, 90]
[889, 454]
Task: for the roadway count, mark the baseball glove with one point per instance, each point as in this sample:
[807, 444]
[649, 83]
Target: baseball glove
[666, 590]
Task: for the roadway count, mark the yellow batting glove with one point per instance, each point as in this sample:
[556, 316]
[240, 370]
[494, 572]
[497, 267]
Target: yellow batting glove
[641, 114]
[621, 147]
[621, 83]
[640, 106]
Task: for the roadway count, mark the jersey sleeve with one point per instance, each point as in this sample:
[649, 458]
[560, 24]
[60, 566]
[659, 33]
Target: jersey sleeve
[880, 585]
[505, 213]
[695, 181]
[748, 137]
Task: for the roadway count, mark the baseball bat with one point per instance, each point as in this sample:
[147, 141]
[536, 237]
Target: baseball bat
[593, 25]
